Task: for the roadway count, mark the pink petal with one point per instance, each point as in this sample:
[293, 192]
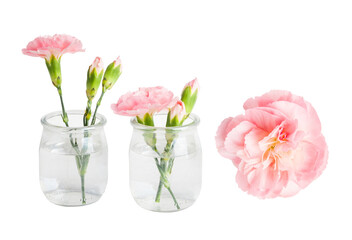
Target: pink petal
[235, 138]
[242, 181]
[225, 127]
[307, 119]
[310, 161]
[252, 140]
[290, 189]
[273, 96]
[263, 119]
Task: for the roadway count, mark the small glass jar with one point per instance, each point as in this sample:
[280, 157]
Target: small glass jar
[73, 161]
[165, 164]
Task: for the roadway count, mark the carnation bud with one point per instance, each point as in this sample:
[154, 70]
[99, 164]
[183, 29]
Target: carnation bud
[53, 65]
[177, 114]
[94, 76]
[189, 95]
[112, 73]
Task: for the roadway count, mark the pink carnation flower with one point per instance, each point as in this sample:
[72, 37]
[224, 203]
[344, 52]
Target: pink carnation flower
[55, 45]
[276, 145]
[145, 100]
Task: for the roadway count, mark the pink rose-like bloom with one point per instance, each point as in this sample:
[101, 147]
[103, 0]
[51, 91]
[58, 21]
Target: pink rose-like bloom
[56, 46]
[276, 145]
[145, 100]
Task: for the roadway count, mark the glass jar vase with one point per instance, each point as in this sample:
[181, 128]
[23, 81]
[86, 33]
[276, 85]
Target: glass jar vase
[165, 164]
[73, 161]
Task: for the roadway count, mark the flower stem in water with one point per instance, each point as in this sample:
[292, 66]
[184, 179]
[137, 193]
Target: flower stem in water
[173, 197]
[158, 194]
[83, 190]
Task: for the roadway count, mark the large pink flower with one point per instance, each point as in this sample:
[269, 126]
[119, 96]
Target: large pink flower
[276, 145]
[56, 46]
[145, 100]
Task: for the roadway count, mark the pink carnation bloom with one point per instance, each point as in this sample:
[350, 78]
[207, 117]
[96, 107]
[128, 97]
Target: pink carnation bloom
[145, 100]
[56, 46]
[276, 145]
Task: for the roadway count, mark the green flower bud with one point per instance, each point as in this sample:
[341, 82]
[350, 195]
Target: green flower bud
[189, 95]
[94, 76]
[112, 73]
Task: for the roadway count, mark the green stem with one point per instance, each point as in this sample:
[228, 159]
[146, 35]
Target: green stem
[74, 145]
[166, 170]
[64, 114]
[87, 113]
[85, 157]
[162, 176]
[164, 181]
[83, 190]
[81, 160]
[171, 164]
[161, 182]
[162, 166]
[78, 161]
[158, 193]
[173, 196]
[97, 106]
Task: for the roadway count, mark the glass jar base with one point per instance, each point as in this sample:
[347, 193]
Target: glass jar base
[165, 204]
[70, 198]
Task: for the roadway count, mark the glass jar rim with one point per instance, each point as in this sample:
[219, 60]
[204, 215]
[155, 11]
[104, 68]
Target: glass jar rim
[194, 123]
[45, 122]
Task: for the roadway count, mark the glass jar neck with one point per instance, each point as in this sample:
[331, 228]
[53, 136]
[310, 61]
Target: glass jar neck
[53, 121]
[160, 121]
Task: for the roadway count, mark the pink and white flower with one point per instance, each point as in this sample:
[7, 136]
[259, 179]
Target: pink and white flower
[97, 65]
[117, 62]
[95, 75]
[189, 95]
[276, 145]
[145, 100]
[194, 85]
[112, 73]
[177, 114]
[56, 46]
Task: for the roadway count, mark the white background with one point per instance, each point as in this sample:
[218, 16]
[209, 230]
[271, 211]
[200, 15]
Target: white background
[237, 49]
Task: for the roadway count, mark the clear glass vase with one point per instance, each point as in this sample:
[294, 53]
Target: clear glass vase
[73, 161]
[165, 164]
